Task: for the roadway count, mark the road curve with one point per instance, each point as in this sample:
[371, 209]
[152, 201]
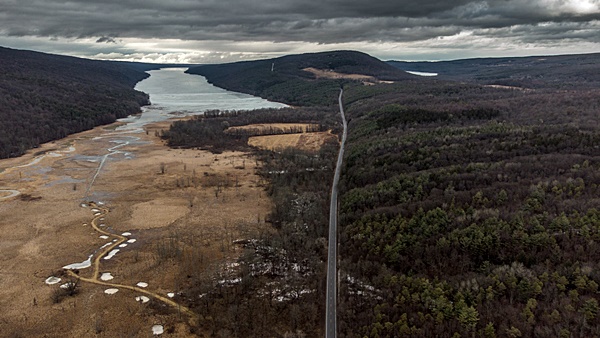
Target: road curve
[331, 313]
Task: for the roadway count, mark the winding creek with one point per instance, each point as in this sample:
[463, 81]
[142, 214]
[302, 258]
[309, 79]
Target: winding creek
[173, 94]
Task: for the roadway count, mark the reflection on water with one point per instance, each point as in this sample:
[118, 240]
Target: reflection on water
[173, 91]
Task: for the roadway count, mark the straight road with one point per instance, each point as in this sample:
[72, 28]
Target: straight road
[331, 314]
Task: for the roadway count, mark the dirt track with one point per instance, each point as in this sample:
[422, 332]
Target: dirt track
[46, 228]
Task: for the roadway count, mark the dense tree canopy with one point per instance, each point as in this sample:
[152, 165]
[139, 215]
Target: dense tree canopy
[45, 97]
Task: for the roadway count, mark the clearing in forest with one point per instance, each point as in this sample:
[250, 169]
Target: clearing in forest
[304, 141]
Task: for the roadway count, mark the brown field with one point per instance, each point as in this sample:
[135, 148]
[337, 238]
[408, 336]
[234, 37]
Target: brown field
[328, 74]
[304, 141]
[280, 128]
[171, 201]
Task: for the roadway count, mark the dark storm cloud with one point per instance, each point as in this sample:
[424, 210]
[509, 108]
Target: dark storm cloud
[215, 22]
[280, 20]
[106, 39]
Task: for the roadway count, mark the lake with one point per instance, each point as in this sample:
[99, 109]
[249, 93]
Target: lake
[173, 91]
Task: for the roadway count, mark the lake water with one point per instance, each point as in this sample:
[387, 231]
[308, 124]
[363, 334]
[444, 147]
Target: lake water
[173, 91]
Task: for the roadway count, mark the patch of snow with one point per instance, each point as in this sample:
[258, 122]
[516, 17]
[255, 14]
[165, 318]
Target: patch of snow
[106, 276]
[97, 214]
[95, 210]
[231, 281]
[123, 245]
[157, 330]
[102, 224]
[52, 280]
[171, 294]
[111, 291]
[421, 73]
[104, 237]
[112, 253]
[66, 285]
[85, 264]
[142, 299]
[131, 241]
[84, 205]
[142, 284]
[105, 245]
[126, 234]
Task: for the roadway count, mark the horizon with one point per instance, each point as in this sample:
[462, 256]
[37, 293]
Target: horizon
[325, 51]
[201, 32]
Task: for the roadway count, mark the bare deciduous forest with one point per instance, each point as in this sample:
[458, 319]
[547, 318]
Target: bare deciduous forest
[467, 210]
[45, 97]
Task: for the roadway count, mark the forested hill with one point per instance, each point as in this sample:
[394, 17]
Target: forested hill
[44, 97]
[561, 71]
[285, 79]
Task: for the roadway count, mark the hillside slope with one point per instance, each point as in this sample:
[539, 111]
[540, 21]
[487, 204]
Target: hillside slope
[562, 71]
[284, 79]
[45, 97]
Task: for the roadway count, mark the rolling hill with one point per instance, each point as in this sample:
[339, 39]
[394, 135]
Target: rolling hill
[286, 79]
[562, 71]
[44, 97]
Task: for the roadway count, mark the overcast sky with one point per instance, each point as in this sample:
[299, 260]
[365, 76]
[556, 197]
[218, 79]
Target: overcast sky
[209, 31]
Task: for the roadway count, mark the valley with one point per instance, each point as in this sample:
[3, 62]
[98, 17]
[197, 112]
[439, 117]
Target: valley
[52, 229]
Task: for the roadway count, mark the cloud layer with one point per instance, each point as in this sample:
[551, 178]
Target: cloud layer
[219, 30]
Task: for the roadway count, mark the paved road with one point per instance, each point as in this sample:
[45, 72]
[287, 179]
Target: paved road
[331, 314]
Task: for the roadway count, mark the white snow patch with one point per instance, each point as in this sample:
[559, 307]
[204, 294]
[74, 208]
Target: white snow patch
[106, 276]
[231, 281]
[97, 214]
[123, 245]
[85, 264]
[95, 210]
[111, 291]
[112, 253]
[157, 330]
[142, 284]
[105, 245]
[84, 205]
[126, 234]
[421, 73]
[52, 280]
[131, 241]
[142, 299]
[67, 285]
[171, 294]
[104, 237]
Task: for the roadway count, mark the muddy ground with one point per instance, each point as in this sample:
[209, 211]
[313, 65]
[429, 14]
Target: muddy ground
[166, 198]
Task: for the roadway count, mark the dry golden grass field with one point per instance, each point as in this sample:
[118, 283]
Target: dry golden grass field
[181, 206]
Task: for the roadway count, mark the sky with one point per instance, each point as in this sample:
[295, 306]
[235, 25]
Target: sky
[216, 31]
